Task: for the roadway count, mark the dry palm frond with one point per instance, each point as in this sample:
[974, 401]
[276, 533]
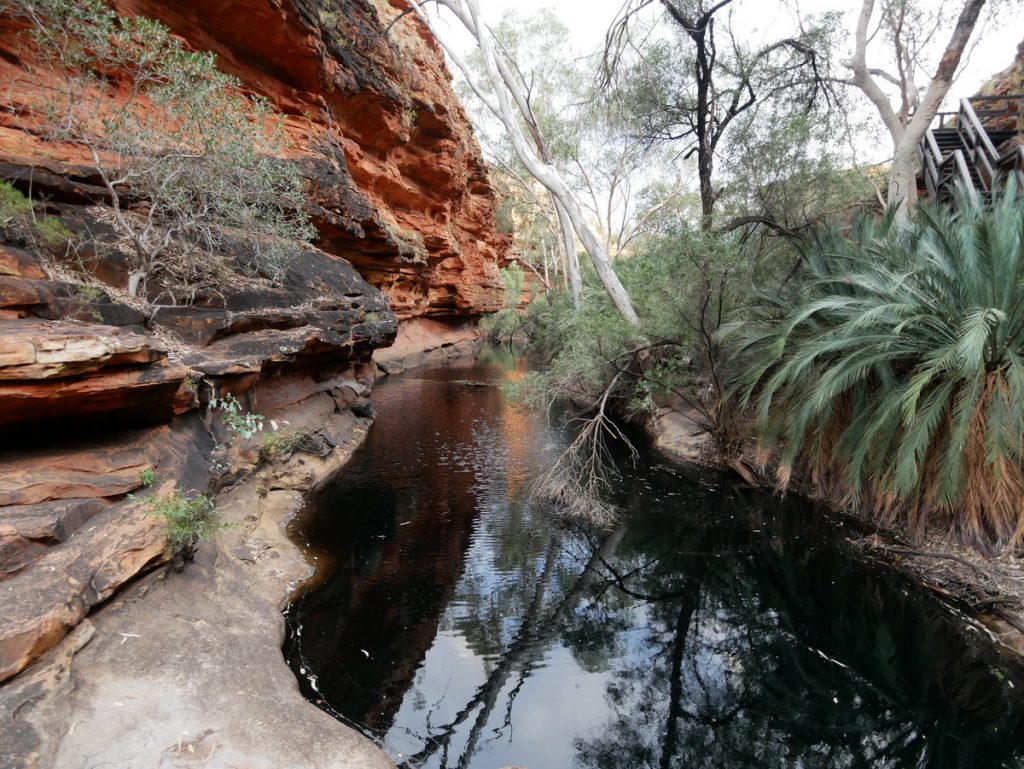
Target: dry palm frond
[893, 381]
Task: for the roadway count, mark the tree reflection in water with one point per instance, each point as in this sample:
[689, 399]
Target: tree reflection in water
[712, 627]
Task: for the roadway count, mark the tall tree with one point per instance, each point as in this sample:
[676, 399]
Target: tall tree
[508, 103]
[623, 182]
[694, 92]
[534, 49]
[907, 26]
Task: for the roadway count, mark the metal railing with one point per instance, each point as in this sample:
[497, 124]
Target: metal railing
[973, 123]
[985, 157]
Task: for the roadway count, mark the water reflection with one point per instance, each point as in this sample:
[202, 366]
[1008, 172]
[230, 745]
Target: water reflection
[713, 627]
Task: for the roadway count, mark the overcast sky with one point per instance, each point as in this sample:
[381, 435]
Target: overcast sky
[588, 20]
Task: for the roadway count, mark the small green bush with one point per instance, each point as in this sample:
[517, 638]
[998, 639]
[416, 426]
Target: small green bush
[279, 444]
[240, 422]
[14, 207]
[53, 234]
[190, 519]
[45, 233]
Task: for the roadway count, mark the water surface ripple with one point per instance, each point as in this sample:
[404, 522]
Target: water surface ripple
[458, 624]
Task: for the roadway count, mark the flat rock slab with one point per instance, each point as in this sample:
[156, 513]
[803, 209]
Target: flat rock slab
[26, 531]
[185, 669]
[33, 350]
[679, 433]
[50, 522]
[43, 475]
[20, 263]
[153, 393]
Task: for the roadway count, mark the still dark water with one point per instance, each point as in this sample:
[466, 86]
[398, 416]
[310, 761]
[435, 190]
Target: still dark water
[460, 625]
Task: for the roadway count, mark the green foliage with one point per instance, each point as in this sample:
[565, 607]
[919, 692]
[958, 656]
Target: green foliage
[505, 323]
[190, 519]
[577, 345]
[185, 138]
[279, 444]
[18, 217]
[14, 207]
[791, 168]
[240, 422]
[147, 476]
[894, 374]
[53, 234]
[664, 276]
[504, 216]
[513, 278]
[501, 325]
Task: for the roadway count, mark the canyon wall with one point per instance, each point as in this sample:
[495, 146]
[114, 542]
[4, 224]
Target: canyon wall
[396, 181]
[103, 397]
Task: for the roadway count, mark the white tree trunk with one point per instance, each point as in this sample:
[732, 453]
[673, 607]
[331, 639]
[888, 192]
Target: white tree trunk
[468, 13]
[572, 261]
[903, 178]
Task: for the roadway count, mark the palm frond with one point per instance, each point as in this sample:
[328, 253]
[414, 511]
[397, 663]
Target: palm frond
[893, 378]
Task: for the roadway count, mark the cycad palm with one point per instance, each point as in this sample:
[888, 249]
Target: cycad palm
[895, 379]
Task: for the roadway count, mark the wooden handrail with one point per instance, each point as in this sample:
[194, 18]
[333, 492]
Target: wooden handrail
[930, 155]
[1006, 97]
[978, 154]
[933, 146]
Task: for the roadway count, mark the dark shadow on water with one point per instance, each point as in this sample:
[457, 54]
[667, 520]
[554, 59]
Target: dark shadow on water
[457, 623]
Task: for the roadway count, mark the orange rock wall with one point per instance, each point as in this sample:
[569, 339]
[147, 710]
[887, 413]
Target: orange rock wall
[397, 184]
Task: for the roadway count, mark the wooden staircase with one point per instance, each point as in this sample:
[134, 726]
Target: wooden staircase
[973, 148]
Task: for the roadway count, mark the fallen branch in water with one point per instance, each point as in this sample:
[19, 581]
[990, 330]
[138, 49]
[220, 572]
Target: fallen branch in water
[578, 481]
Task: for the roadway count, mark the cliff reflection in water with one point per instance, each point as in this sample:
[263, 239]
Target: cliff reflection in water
[713, 627]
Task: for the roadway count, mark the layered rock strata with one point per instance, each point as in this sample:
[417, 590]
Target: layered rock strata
[105, 401]
[396, 183]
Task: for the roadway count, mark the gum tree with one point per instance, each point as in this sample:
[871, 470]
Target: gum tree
[907, 26]
[503, 95]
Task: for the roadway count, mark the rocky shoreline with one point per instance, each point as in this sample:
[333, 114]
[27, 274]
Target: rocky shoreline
[185, 668]
[107, 657]
[167, 668]
[990, 590]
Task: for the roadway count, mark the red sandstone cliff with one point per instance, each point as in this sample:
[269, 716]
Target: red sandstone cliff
[397, 184]
[1009, 81]
[97, 394]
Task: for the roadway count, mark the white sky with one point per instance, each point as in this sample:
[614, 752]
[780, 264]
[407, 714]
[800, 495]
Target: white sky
[588, 20]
